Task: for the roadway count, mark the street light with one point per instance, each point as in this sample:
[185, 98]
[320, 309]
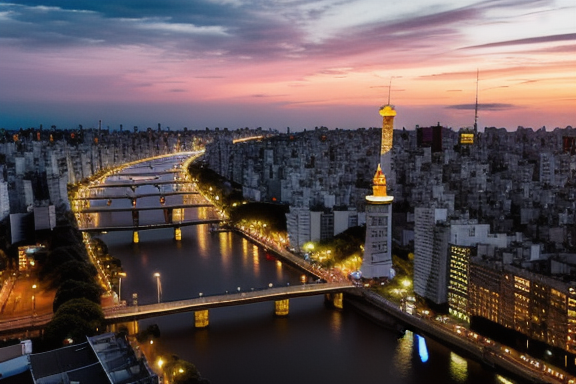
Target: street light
[158, 285]
[34, 300]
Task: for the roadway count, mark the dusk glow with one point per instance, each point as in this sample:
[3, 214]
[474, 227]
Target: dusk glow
[278, 64]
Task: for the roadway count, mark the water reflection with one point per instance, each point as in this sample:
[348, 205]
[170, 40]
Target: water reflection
[422, 349]
[245, 253]
[458, 368]
[503, 380]
[403, 354]
[202, 237]
[226, 251]
[336, 325]
[256, 260]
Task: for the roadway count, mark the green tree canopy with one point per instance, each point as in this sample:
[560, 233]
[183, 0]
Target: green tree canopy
[73, 289]
[85, 309]
[77, 270]
[55, 258]
[67, 326]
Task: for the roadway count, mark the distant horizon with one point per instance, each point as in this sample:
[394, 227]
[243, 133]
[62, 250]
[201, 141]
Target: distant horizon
[166, 128]
[300, 64]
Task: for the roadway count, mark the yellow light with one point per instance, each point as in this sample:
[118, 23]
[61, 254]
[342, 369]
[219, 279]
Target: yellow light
[160, 363]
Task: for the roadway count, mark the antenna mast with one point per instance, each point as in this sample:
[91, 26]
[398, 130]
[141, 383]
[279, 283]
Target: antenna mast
[389, 89]
[476, 107]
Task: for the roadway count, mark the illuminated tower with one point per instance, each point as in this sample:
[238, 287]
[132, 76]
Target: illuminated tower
[388, 113]
[377, 260]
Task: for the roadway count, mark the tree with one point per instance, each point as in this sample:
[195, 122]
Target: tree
[85, 309]
[76, 270]
[179, 371]
[73, 322]
[73, 289]
[54, 260]
[66, 327]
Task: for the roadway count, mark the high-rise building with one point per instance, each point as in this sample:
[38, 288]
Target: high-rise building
[377, 260]
[4, 199]
[431, 239]
[458, 278]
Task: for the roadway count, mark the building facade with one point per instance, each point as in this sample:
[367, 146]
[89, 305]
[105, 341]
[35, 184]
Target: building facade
[377, 260]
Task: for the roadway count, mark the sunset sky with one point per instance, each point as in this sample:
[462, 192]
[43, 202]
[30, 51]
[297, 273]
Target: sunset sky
[286, 63]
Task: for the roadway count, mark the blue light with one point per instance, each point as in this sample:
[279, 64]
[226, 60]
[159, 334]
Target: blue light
[422, 350]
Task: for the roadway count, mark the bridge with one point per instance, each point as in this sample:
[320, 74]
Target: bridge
[135, 196]
[105, 218]
[103, 209]
[164, 171]
[200, 306]
[137, 183]
[141, 227]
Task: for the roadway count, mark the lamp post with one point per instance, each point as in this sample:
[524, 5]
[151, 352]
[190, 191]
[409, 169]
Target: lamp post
[34, 300]
[158, 285]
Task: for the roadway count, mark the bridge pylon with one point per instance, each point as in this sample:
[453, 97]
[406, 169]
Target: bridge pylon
[282, 307]
[201, 319]
[335, 300]
[130, 327]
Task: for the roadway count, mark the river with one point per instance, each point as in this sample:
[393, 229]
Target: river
[248, 344]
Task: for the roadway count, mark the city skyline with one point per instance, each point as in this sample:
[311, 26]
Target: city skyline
[300, 64]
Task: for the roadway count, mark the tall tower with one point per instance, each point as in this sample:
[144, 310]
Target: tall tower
[388, 113]
[377, 260]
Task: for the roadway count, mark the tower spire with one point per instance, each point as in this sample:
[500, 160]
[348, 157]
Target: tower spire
[389, 89]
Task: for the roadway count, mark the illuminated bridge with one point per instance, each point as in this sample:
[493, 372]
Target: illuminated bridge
[102, 209]
[137, 183]
[201, 305]
[135, 196]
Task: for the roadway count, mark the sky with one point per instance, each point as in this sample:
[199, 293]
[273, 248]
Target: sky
[287, 63]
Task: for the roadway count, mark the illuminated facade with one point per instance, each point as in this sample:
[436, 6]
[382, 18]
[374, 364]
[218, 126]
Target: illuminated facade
[537, 306]
[388, 113]
[466, 138]
[458, 281]
[377, 260]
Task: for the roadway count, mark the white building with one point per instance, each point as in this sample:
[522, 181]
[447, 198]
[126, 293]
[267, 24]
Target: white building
[377, 261]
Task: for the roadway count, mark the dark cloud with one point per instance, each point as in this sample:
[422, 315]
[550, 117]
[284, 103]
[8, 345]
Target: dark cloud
[402, 38]
[178, 27]
[532, 40]
[483, 107]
